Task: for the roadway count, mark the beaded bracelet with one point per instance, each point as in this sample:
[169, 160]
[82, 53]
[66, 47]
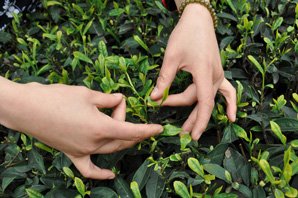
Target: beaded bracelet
[204, 3]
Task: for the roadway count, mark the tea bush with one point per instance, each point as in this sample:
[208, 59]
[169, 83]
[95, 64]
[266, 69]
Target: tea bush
[118, 46]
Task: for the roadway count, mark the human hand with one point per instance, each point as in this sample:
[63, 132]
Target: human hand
[67, 118]
[193, 47]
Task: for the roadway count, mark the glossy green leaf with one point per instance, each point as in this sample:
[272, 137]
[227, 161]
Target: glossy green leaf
[68, 172]
[181, 189]
[141, 42]
[278, 193]
[256, 64]
[33, 193]
[195, 166]
[80, 186]
[276, 130]
[171, 130]
[155, 185]
[82, 57]
[267, 170]
[185, 139]
[135, 189]
[240, 132]
[142, 174]
[122, 188]
[216, 170]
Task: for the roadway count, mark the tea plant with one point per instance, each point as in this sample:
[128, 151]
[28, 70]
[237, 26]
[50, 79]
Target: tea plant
[117, 46]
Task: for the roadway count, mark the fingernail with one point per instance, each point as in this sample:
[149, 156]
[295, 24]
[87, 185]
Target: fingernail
[232, 117]
[111, 176]
[117, 94]
[155, 91]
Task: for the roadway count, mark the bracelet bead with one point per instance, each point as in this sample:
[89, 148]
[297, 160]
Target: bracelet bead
[204, 3]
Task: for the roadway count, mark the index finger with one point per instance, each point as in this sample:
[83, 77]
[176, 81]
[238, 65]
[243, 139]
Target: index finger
[133, 132]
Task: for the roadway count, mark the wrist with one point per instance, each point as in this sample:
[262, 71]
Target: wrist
[11, 95]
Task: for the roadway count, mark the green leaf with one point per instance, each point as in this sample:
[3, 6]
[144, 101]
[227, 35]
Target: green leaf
[277, 23]
[141, 42]
[102, 48]
[135, 189]
[122, 188]
[287, 124]
[185, 139]
[142, 174]
[33, 193]
[170, 130]
[226, 195]
[267, 170]
[155, 186]
[216, 170]
[181, 189]
[195, 166]
[80, 186]
[240, 132]
[52, 3]
[278, 193]
[256, 63]
[165, 94]
[103, 192]
[276, 130]
[6, 181]
[68, 172]
[291, 192]
[229, 135]
[36, 161]
[82, 57]
[294, 143]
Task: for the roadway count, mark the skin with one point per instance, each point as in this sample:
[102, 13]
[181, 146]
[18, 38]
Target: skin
[193, 47]
[67, 118]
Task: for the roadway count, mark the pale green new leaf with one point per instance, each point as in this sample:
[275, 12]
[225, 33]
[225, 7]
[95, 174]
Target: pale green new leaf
[276, 130]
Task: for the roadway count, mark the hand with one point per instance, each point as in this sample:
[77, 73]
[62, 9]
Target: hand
[67, 118]
[193, 47]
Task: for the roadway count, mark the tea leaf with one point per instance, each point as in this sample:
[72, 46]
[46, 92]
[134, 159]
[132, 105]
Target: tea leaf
[68, 172]
[141, 42]
[256, 63]
[170, 130]
[80, 185]
[135, 189]
[33, 193]
[267, 170]
[82, 57]
[276, 130]
[181, 189]
[195, 166]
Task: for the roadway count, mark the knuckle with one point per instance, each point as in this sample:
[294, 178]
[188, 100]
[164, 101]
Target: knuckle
[85, 172]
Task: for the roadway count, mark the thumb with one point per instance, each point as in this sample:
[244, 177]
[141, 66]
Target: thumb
[103, 100]
[90, 170]
[166, 76]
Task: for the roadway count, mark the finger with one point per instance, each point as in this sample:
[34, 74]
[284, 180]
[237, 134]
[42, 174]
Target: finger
[89, 170]
[229, 92]
[205, 95]
[114, 146]
[132, 132]
[119, 112]
[103, 100]
[191, 120]
[166, 76]
[186, 98]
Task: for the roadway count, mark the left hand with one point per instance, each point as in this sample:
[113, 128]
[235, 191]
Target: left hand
[193, 47]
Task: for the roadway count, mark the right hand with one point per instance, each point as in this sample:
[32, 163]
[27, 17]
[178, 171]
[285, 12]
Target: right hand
[67, 118]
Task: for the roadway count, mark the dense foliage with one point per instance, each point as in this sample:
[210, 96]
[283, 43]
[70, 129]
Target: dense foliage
[117, 46]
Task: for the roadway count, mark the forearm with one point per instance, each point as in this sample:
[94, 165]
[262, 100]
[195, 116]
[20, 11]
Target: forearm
[10, 96]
